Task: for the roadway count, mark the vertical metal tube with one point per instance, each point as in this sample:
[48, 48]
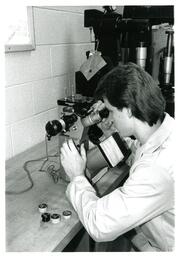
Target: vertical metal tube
[168, 59]
[169, 43]
[141, 55]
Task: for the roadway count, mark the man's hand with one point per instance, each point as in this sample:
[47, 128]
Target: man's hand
[98, 106]
[106, 125]
[73, 161]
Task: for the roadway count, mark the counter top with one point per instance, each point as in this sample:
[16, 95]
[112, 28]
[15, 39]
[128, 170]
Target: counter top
[25, 232]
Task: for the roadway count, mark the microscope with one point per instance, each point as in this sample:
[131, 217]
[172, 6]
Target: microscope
[106, 151]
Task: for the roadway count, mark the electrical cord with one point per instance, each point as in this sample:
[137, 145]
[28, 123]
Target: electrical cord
[50, 170]
[55, 174]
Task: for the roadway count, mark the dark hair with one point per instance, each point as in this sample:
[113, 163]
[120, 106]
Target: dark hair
[131, 87]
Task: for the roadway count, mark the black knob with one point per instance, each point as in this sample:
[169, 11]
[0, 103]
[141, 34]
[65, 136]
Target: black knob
[53, 127]
[45, 217]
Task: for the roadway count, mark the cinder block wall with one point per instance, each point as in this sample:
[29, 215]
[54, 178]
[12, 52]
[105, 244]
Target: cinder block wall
[36, 79]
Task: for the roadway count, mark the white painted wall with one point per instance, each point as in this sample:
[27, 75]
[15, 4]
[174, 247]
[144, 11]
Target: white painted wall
[36, 79]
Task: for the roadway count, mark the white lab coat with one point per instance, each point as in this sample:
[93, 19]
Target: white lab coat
[145, 201]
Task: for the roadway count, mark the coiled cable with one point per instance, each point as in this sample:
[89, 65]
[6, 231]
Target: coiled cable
[50, 170]
[54, 173]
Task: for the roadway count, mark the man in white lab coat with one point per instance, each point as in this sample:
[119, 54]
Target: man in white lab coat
[145, 202]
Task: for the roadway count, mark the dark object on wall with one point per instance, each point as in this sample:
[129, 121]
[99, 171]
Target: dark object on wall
[156, 14]
[117, 40]
[118, 37]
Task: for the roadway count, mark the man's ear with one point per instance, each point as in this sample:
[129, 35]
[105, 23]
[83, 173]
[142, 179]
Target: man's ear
[129, 112]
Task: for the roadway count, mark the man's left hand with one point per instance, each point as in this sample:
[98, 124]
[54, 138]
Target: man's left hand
[73, 161]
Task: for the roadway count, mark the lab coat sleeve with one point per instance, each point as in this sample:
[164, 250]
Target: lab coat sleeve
[142, 197]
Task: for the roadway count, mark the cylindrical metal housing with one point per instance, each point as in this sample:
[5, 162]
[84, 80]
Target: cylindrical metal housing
[167, 69]
[141, 55]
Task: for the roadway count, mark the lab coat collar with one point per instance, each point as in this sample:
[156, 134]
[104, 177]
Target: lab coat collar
[160, 135]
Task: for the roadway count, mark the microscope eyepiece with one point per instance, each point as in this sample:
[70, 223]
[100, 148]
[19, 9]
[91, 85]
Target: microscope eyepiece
[95, 117]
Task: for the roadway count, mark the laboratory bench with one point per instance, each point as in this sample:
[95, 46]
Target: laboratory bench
[25, 231]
